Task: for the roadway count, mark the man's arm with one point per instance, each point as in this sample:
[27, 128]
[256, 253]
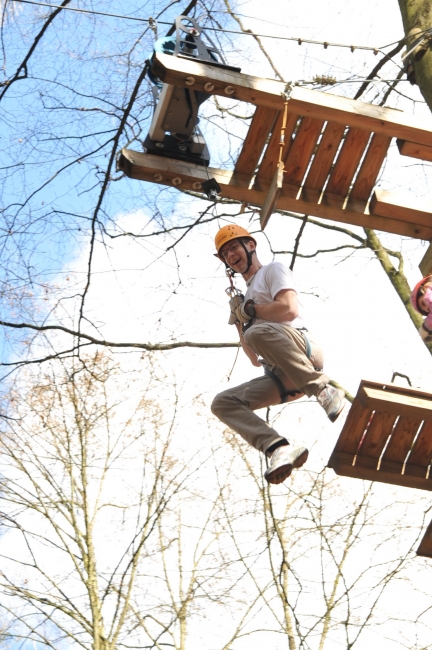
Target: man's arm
[247, 350]
[284, 307]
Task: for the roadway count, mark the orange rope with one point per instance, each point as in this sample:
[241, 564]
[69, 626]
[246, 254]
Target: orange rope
[281, 164]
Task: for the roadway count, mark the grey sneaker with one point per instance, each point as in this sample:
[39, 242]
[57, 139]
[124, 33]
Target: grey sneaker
[282, 462]
[332, 400]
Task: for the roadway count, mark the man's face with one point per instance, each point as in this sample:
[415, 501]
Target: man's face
[235, 255]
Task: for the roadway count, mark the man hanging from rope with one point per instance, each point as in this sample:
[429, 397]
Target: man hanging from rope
[269, 319]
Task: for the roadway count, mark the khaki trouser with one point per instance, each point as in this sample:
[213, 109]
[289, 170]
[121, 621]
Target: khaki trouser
[283, 349]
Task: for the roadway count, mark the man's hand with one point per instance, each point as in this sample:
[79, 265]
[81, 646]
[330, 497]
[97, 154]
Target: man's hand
[234, 304]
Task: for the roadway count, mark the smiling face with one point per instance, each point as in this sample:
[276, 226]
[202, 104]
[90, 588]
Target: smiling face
[234, 254]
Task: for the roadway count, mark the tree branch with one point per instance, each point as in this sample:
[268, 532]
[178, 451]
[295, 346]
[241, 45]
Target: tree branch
[112, 344]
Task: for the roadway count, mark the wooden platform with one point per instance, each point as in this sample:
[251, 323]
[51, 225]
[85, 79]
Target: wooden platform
[334, 151]
[387, 437]
[425, 548]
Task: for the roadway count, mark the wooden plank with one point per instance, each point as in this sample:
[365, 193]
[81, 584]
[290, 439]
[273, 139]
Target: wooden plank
[377, 434]
[414, 150]
[303, 101]
[239, 86]
[425, 265]
[255, 141]
[302, 149]
[421, 454]
[401, 440]
[268, 164]
[425, 548]
[347, 162]
[272, 196]
[401, 206]
[351, 112]
[325, 155]
[370, 167]
[343, 467]
[164, 171]
[396, 404]
[395, 388]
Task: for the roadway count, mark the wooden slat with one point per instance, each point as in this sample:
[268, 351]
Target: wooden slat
[401, 440]
[156, 169]
[425, 265]
[377, 434]
[414, 150]
[325, 155]
[268, 164]
[302, 149]
[370, 167]
[425, 548]
[397, 404]
[347, 162]
[401, 207]
[421, 455]
[365, 469]
[353, 430]
[255, 141]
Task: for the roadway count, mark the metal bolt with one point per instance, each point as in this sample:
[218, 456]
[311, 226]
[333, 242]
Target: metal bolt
[197, 186]
[209, 87]
[182, 147]
[189, 81]
[160, 145]
[157, 178]
[177, 180]
[229, 90]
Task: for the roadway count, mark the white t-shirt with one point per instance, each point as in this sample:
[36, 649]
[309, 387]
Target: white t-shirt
[266, 284]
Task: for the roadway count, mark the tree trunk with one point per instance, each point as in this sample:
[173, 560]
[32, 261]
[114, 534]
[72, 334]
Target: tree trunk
[417, 17]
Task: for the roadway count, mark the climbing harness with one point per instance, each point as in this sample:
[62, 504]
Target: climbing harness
[283, 392]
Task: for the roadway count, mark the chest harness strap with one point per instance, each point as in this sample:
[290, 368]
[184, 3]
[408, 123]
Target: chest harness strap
[283, 392]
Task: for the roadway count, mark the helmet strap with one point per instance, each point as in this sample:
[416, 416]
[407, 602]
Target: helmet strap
[248, 255]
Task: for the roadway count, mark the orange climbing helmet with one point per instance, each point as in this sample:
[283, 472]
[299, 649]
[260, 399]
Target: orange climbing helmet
[227, 233]
[417, 293]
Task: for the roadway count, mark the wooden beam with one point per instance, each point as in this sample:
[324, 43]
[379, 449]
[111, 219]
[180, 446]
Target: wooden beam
[370, 167]
[262, 123]
[342, 465]
[414, 150]
[383, 400]
[311, 103]
[370, 117]
[399, 206]
[425, 548]
[302, 149]
[426, 263]
[239, 86]
[188, 176]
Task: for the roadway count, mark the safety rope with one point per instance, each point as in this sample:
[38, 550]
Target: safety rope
[281, 163]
